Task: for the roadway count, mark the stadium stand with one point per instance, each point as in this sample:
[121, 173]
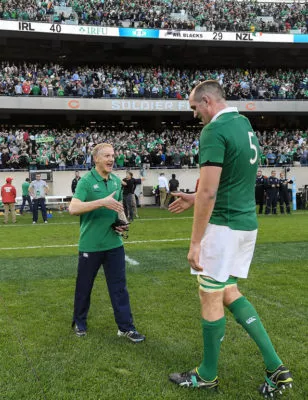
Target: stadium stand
[135, 147]
[203, 15]
[35, 132]
[147, 82]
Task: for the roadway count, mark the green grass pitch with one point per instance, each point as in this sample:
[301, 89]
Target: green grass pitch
[41, 359]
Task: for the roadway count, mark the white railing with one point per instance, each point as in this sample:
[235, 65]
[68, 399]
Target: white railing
[51, 200]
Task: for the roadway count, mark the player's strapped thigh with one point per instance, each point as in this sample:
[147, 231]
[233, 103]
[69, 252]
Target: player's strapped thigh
[209, 285]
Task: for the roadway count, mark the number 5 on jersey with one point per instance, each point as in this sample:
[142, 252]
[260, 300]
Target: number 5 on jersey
[253, 147]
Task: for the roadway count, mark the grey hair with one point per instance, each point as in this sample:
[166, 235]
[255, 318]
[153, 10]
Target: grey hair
[209, 87]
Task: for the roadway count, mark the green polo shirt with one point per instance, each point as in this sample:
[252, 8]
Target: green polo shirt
[25, 188]
[96, 233]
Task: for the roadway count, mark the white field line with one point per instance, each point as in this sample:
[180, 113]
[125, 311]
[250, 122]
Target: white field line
[131, 260]
[77, 222]
[54, 246]
[136, 220]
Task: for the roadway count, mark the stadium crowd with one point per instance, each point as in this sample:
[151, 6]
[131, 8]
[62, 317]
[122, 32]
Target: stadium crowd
[208, 15]
[171, 147]
[147, 81]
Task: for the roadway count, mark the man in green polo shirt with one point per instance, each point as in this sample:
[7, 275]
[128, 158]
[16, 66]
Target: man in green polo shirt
[25, 196]
[98, 200]
[223, 236]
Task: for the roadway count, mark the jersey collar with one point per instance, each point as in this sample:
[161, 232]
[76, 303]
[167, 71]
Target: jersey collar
[224, 111]
[98, 177]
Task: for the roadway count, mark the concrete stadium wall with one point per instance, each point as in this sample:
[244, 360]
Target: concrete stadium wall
[61, 185]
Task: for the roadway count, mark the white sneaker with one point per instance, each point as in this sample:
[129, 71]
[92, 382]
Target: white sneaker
[33, 222]
[45, 222]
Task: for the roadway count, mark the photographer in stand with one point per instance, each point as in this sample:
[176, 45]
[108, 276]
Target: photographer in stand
[98, 201]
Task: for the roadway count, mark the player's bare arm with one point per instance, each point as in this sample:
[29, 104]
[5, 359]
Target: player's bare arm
[204, 204]
[78, 207]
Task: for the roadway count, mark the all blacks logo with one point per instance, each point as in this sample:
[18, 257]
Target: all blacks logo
[184, 35]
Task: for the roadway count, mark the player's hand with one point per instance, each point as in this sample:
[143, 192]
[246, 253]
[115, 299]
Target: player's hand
[112, 204]
[193, 257]
[183, 202]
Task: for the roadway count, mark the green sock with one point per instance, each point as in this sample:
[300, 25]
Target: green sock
[213, 334]
[246, 315]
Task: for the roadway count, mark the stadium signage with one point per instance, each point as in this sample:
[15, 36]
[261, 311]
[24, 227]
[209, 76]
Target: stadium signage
[138, 33]
[227, 36]
[149, 105]
[250, 106]
[183, 34]
[46, 139]
[25, 26]
[93, 30]
[243, 36]
[73, 104]
[77, 105]
[55, 28]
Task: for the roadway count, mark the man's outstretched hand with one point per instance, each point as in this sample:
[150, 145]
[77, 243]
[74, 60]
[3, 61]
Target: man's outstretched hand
[183, 202]
[111, 203]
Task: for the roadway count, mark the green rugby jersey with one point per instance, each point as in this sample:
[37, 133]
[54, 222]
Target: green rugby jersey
[229, 141]
[96, 233]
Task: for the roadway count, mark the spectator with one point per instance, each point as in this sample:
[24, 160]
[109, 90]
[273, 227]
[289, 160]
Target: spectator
[271, 158]
[89, 159]
[75, 181]
[165, 82]
[272, 188]
[219, 15]
[168, 146]
[26, 196]
[128, 195]
[53, 161]
[8, 194]
[284, 193]
[304, 158]
[261, 183]
[38, 190]
[80, 160]
[163, 190]
[173, 187]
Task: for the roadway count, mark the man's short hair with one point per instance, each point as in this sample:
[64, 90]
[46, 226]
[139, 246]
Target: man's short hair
[99, 147]
[173, 176]
[209, 87]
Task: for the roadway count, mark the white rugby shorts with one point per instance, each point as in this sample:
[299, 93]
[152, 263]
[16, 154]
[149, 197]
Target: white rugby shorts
[226, 252]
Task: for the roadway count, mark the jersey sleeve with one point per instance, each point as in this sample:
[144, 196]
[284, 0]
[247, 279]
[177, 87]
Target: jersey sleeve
[212, 148]
[81, 192]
